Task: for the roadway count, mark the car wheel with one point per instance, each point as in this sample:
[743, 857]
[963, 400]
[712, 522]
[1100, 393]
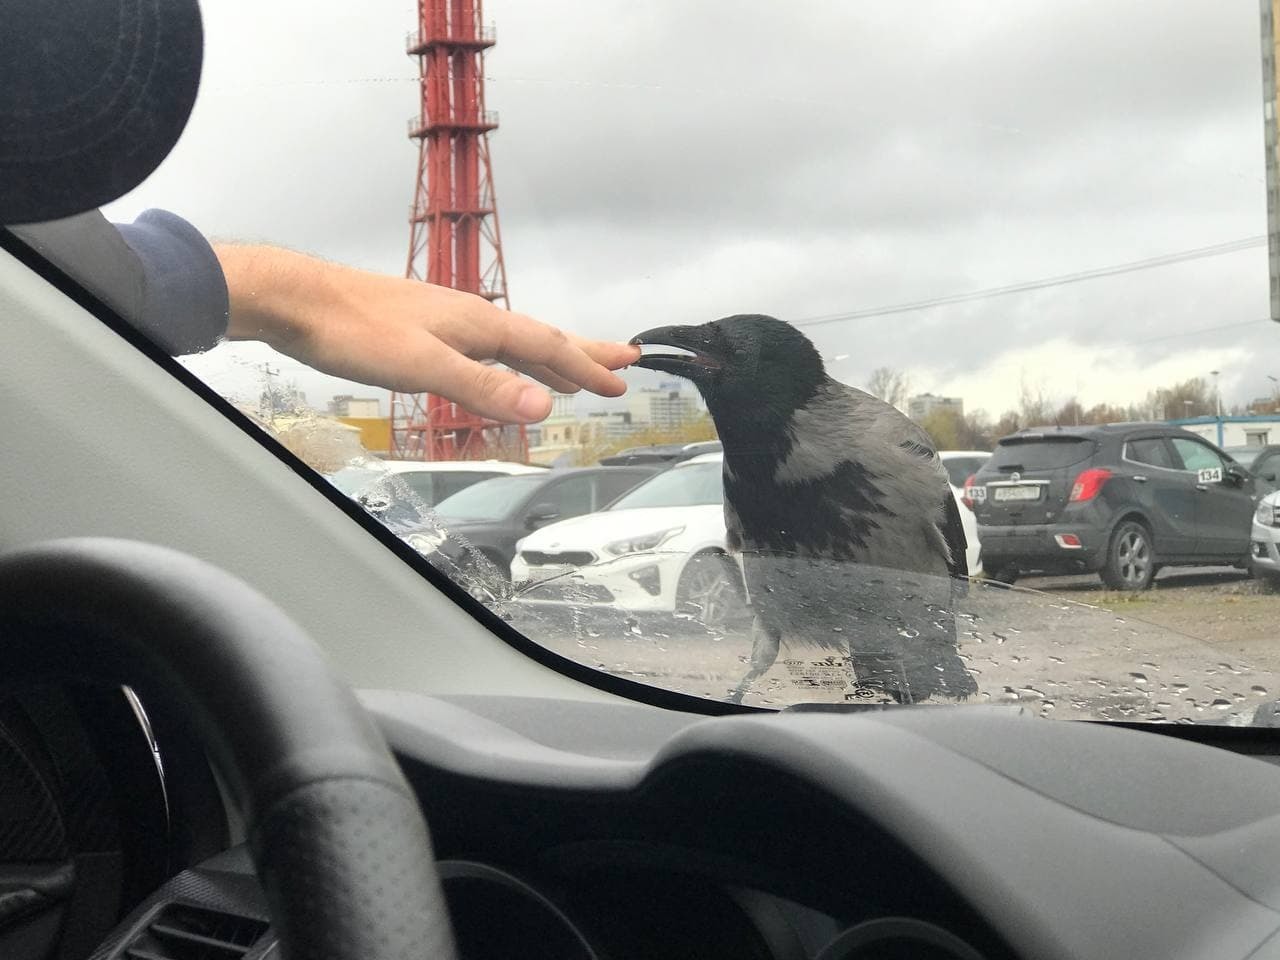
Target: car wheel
[1131, 558]
[1003, 574]
[710, 591]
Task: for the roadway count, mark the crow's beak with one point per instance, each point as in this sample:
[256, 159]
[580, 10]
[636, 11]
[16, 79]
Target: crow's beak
[696, 360]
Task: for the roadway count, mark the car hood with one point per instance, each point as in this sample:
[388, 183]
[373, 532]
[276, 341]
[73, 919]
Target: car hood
[593, 530]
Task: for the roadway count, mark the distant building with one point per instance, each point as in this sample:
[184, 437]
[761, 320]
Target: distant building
[562, 405]
[375, 433]
[1235, 431]
[345, 405]
[609, 425]
[665, 407]
[557, 436]
[926, 404]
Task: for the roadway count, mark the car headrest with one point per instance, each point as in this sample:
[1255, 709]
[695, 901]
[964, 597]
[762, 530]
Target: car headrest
[93, 95]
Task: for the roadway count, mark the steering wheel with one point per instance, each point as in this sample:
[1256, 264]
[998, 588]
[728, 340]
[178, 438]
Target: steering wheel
[335, 832]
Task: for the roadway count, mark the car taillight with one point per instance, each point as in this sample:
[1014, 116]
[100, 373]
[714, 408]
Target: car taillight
[967, 498]
[1088, 484]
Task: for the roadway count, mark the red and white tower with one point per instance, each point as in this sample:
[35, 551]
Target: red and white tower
[453, 238]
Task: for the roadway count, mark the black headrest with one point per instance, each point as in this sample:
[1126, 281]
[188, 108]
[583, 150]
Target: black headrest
[93, 95]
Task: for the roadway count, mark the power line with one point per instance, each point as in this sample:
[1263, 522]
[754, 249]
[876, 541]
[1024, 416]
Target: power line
[1199, 253]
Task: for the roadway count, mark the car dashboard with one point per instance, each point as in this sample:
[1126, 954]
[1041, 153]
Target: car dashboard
[575, 829]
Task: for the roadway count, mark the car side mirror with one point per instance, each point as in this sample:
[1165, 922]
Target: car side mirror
[1236, 475]
[540, 514]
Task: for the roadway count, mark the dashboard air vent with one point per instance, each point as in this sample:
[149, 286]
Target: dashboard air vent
[192, 933]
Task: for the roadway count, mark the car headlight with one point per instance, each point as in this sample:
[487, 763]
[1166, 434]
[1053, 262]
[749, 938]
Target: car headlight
[643, 543]
[1266, 514]
[425, 543]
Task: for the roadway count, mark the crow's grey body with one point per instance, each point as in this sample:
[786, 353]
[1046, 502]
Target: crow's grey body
[896, 468]
[841, 510]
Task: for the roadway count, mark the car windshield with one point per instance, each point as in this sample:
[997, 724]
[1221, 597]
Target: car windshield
[1042, 239]
[688, 486]
[488, 499]
[1245, 456]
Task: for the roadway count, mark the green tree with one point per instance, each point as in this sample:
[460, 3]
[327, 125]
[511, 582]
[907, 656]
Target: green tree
[950, 431]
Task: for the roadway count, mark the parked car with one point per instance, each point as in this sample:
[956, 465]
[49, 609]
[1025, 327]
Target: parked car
[492, 515]
[659, 548]
[1264, 553]
[1121, 500]
[375, 483]
[667, 453]
[961, 465]
[1262, 462]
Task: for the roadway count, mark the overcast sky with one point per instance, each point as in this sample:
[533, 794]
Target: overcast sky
[681, 160]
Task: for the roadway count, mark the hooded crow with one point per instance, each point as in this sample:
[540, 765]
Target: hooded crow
[839, 505]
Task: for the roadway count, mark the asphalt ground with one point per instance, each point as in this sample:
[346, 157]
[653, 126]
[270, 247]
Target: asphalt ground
[1202, 646]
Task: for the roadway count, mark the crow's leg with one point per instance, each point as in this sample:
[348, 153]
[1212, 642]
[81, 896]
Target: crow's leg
[765, 642]
[879, 672]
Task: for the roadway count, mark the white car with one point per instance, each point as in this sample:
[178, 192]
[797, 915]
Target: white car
[662, 547]
[1264, 545]
[659, 548]
[961, 465]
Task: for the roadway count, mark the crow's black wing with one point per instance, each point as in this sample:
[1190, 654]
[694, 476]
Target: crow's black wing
[953, 532]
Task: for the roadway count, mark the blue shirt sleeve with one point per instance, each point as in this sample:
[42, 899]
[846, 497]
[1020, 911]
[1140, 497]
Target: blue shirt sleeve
[184, 305]
[158, 273]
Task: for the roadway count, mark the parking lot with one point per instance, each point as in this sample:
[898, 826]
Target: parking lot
[1203, 645]
[1222, 607]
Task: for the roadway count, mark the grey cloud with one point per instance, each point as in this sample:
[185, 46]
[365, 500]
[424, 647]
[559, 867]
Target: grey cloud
[683, 160]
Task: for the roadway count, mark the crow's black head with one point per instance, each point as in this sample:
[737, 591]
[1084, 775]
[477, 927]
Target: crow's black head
[746, 366]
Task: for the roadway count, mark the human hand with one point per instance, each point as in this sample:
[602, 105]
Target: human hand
[410, 336]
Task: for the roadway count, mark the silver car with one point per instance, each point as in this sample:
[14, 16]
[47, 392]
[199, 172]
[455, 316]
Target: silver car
[1265, 541]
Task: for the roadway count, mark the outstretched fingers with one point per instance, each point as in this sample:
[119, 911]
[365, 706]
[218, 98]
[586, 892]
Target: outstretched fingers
[589, 364]
[488, 389]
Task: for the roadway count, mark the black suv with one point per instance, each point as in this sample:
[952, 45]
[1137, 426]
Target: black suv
[1122, 500]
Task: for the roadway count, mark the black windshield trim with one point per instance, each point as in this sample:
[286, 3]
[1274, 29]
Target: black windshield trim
[605, 682]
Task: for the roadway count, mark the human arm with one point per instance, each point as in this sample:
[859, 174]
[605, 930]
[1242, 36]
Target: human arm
[409, 336]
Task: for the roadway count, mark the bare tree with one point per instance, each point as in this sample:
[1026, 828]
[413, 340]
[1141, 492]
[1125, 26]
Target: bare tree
[1035, 409]
[1107, 413]
[1190, 398]
[1070, 414]
[890, 385]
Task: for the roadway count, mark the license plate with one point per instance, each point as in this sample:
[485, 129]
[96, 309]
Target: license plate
[539, 574]
[1017, 493]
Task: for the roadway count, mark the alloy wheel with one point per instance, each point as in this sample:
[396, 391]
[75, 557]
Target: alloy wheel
[1133, 557]
[709, 592]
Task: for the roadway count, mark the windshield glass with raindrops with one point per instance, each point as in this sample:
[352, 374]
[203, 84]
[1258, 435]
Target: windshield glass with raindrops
[957, 375]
